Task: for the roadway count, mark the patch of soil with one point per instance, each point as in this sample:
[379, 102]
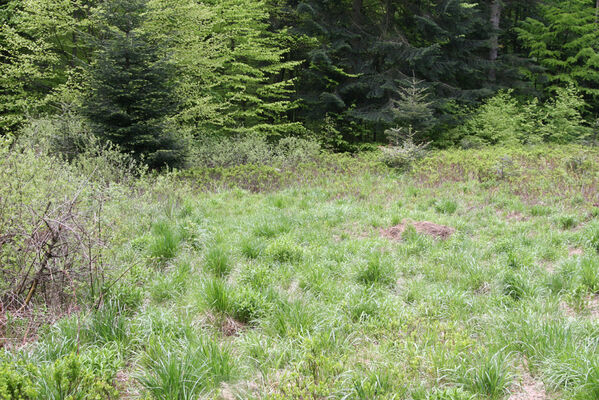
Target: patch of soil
[126, 386]
[231, 327]
[516, 216]
[529, 389]
[424, 227]
[591, 308]
[575, 251]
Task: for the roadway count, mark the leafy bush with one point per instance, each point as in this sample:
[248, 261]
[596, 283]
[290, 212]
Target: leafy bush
[253, 149]
[14, 385]
[498, 120]
[70, 379]
[68, 138]
[504, 120]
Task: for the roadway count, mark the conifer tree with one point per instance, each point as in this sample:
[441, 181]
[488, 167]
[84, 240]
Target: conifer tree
[564, 40]
[130, 93]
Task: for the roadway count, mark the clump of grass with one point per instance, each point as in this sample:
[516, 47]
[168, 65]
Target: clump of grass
[252, 248]
[169, 373]
[491, 378]
[292, 319]
[362, 305]
[374, 385]
[446, 206]
[241, 303]
[284, 250]
[539, 210]
[378, 270]
[515, 285]
[566, 221]
[169, 286]
[272, 228]
[185, 370]
[217, 295]
[218, 261]
[165, 241]
[591, 236]
[589, 273]
[108, 324]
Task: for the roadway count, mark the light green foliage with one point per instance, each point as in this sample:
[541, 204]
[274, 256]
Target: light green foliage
[42, 48]
[240, 84]
[165, 240]
[405, 155]
[14, 385]
[490, 378]
[505, 120]
[69, 378]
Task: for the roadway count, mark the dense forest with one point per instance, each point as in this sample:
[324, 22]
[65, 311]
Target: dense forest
[162, 78]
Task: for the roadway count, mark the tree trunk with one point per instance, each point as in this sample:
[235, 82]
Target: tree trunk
[389, 13]
[357, 11]
[494, 41]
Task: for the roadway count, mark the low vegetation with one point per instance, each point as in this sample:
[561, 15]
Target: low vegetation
[472, 275]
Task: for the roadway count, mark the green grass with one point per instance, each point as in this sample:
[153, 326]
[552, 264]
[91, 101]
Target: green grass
[295, 294]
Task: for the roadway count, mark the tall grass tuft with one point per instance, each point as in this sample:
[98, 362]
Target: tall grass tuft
[491, 378]
[378, 270]
[165, 241]
[218, 261]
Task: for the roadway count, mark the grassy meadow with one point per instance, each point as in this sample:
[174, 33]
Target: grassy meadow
[292, 283]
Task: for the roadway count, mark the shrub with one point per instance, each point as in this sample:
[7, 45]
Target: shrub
[404, 155]
[504, 120]
[69, 379]
[498, 120]
[14, 385]
[231, 151]
[293, 150]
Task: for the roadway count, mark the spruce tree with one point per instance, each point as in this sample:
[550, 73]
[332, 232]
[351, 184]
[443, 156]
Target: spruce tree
[564, 40]
[130, 93]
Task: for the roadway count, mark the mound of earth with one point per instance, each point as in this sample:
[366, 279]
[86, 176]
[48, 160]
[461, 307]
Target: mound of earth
[425, 227]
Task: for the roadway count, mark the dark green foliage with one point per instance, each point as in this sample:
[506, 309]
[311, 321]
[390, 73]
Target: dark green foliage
[130, 92]
[361, 57]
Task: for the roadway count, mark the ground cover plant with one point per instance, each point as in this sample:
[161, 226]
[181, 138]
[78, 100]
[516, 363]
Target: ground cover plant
[472, 275]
